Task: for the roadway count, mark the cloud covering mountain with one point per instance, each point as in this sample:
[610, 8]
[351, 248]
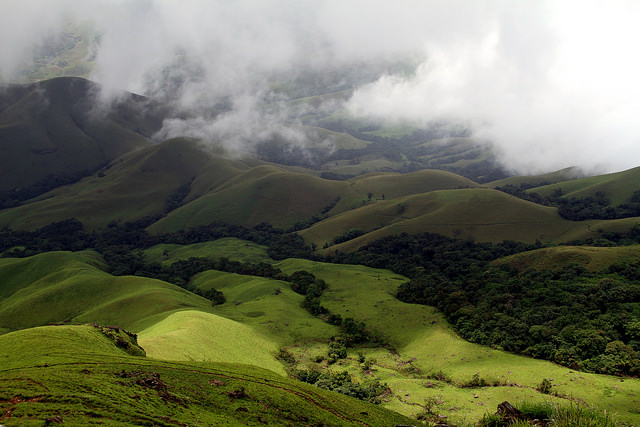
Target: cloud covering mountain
[548, 83]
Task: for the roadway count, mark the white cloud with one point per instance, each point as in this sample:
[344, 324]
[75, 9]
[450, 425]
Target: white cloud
[551, 83]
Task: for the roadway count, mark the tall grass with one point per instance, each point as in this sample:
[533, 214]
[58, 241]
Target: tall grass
[555, 414]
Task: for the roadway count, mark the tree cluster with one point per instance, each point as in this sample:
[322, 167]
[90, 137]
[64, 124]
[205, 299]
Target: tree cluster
[597, 206]
[583, 320]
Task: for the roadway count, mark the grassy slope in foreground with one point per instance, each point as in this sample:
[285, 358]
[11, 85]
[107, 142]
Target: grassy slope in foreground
[197, 336]
[79, 375]
[423, 339]
[426, 345]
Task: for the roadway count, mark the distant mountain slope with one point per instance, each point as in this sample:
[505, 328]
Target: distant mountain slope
[618, 187]
[556, 258]
[474, 213]
[59, 127]
[562, 175]
[136, 185]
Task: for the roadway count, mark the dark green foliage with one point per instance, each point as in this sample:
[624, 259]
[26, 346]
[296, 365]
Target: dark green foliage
[354, 331]
[412, 255]
[579, 209]
[579, 319]
[285, 356]
[348, 235]
[176, 199]
[545, 386]
[341, 382]
[14, 197]
[301, 225]
[337, 349]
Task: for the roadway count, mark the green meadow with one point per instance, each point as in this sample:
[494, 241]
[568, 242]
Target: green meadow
[419, 356]
[76, 375]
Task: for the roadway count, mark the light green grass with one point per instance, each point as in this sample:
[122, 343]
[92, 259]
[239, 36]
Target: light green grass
[423, 339]
[197, 336]
[267, 305]
[76, 373]
[65, 287]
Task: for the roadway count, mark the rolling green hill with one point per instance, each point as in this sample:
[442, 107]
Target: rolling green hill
[198, 336]
[64, 287]
[474, 213]
[133, 186]
[57, 127]
[51, 375]
[617, 187]
[555, 258]
[262, 194]
[562, 175]
[423, 357]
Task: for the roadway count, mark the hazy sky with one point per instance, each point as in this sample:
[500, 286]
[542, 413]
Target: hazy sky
[549, 83]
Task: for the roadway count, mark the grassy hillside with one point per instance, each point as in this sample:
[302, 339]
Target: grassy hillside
[423, 358]
[50, 375]
[229, 247]
[479, 214]
[135, 185]
[197, 336]
[385, 186]
[262, 194]
[554, 258]
[56, 127]
[617, 187]
[69, 287]
[269, 306]
[432, 361]
[562, 175]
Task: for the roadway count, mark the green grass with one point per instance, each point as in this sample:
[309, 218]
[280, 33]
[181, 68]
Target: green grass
[269, 306]
[135, 186]
[230, 247]
[76, 373]
[262, 315]
[570, 414]
[617, 187]
[65, 287]
[553, 258]
[474, 213]
[197, 336]
[562, 175]
[426, 345]
[262, 194]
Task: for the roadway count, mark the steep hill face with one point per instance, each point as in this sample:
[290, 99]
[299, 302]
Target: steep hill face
[58, 127]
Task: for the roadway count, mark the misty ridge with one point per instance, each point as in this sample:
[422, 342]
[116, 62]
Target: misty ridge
[531, 81]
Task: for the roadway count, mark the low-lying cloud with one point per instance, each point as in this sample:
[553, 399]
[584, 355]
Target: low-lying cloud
[549, 83]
